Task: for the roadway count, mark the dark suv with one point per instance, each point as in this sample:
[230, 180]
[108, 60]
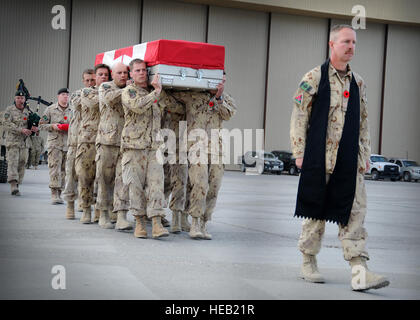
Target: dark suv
[262, 161]
[288, 160]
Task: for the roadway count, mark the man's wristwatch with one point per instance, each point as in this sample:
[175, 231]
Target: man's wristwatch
[220, 98]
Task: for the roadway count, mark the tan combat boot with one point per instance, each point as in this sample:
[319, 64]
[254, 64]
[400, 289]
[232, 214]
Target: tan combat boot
[165, 222]
[14, 188]
[195, 230]
[369, 280]
[79, 208]
[113, 217]
[203, 228]
[97, 214]
[157, 229]
[105, 221]
[176, 222]
[140, 230]
[54, 196]
[185, 225]
[61, 201]
[86, 215]
[122, 222]
[309, 270]
[70, 210]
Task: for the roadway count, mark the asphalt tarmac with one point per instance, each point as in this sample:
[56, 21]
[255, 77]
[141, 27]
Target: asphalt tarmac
[253, 254]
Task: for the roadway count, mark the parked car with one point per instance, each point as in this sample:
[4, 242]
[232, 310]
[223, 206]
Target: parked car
[409, 169]
[381, 168]
[262, 161]
[288, 160]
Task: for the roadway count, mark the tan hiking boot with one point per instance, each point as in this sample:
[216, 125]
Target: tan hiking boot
[61, 201]
[86, 216]
[165, 222]
[203, 228]
[97, 214]
[70, 210]
[362, 278]
[140, 230]
[54, 197]
[185, 225]
[176, 222]
[122, 222]
[105, 221]
[195, 230]
[113, 217]
[157, 229]
[14, 188]
[309, 269]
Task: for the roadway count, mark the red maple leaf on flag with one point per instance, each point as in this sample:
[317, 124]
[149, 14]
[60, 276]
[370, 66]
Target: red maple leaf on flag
[123, 52]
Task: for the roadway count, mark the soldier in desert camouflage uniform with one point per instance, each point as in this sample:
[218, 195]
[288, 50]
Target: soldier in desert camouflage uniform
[15, 122]
[353, 236]
[142, 172]
[70, 190]
[37, 147]
[112, 194]
[54, 115]
[206, 111]
[86, 152]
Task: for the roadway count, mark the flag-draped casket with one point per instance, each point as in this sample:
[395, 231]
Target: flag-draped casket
[180, 64]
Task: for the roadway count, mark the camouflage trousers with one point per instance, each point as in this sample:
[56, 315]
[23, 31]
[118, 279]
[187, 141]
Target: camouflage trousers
[143, 175]
[86, 169]
[353, 236]
[16, 162]
[176, 177]
[57, 168]
[205, 181]
[34, 157]
[70, 190]
[112, 193]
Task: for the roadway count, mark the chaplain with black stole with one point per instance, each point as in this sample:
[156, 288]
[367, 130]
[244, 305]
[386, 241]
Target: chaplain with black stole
[330, 140]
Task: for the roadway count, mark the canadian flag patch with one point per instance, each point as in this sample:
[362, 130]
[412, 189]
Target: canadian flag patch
[299, 98]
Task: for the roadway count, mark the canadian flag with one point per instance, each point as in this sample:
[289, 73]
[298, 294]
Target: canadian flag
[197, 55]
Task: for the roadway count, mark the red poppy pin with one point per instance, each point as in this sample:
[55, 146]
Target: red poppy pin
[24, 119]
[155, 101]
[346, 94]
[65, 117]
[211, 103]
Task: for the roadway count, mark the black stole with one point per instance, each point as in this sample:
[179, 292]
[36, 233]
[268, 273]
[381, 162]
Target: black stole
[316, 199]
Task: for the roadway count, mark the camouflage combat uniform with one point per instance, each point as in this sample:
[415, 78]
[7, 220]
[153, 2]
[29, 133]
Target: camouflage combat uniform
[37, 148]
[112, 194]
[142, 172]
[56, 143]
[70, 191]
[353, 236]
[86, 152]
[17, 144]
[205, 113]
[176, 175]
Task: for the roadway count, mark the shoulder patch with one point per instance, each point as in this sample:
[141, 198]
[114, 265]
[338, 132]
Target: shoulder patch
[305, 86]
[106, 86]
[86, 91]
[45, 117]
[7, 115]
[132, 93]
[299, 99]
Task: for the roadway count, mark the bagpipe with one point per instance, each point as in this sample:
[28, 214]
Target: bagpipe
[34, 118]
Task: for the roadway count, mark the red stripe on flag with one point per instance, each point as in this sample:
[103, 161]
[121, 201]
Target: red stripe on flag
[99, 58]
[128, 51]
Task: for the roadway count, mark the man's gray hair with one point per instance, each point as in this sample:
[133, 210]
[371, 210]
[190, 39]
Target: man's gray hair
[337, 28]
[133, 62]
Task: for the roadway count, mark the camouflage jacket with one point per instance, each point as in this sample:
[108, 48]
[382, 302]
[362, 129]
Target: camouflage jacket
[37, 143]
[75, 106]
[55, 114]
[111, 120]
[14, 120]
[204, 112]
[89, 115]
[143, 115]
[338, 106]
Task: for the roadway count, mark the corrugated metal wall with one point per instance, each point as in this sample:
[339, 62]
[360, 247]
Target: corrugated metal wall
[31, 49]
[297, 44]
[401, 133]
